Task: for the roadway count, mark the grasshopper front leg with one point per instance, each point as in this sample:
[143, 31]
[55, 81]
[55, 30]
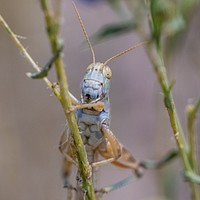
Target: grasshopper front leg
[99, 106]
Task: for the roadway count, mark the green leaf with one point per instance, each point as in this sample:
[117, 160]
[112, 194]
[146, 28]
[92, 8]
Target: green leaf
[112, 30]
[44, 70]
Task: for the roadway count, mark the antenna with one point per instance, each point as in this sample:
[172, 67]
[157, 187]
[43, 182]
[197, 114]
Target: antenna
[84, 31]
[123, 52]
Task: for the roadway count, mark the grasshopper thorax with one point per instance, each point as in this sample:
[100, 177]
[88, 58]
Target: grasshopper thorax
[96, 82]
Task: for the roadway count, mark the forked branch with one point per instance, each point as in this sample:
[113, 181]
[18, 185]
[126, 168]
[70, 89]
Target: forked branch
[62, 94]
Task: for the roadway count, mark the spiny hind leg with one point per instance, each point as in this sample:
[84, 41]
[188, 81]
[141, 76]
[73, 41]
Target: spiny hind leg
[127, 161]
[113, 151]
[146, 164]
[99, 193]
[111, 148]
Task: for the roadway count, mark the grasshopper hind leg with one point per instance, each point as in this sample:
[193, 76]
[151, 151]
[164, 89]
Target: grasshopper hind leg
[129, 162]
[126, 160]
[115, 153]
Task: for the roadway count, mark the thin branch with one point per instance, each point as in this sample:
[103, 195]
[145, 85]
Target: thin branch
[160, 70]
[192, 177]
[25, 53]
[161, 74]
[52, 27]
[155, 55]
[191, 116]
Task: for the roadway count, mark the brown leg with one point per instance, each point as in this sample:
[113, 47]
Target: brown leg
[117, 154]
[113, 148]
[99, 106]
[66, 148]
[128, 161]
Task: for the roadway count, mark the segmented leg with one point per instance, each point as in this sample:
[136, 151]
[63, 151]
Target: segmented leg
[73, 99]
[111, 150]
[115, 186]
[114, 152]
[66, 148]
[99, 106]
[127, 161]
[80, 193]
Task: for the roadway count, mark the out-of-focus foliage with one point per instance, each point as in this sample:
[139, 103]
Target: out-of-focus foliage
[169, 19]
[90, 1]
[165, 19]
[111, 30]
[130, 15]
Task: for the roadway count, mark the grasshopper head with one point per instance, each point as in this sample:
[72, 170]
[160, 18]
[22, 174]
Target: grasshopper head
[96, 82]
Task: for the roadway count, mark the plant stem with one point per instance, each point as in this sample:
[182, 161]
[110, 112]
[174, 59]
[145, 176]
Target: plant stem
[156, 57]
[161, 74]
[159, 67]
[191, 116]
[52, 27]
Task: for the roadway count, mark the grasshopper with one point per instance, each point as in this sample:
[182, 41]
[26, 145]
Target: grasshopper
[93, 117]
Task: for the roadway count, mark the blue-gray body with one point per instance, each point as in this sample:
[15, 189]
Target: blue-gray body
[94, 126]
[95, 87]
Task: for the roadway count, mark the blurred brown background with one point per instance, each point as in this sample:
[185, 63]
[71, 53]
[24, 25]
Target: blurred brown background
[31, 119]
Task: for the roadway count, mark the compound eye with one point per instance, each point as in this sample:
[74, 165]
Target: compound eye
[89, 67]
[107, 72]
